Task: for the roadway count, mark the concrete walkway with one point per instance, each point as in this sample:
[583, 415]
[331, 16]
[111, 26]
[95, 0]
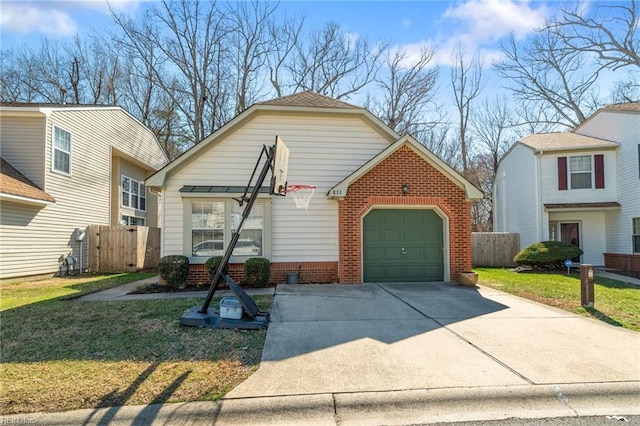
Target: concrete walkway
[411, 354]
[123, 293]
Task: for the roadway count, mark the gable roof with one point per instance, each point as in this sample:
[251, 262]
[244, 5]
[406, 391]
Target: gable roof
[16, 186]
[307, 102]
[563, 141]
[471, 192]
[308, 99]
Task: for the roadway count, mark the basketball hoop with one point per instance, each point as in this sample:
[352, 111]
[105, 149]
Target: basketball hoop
[301, 194]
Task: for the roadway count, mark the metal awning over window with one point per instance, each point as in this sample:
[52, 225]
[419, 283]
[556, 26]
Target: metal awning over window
[207, 189]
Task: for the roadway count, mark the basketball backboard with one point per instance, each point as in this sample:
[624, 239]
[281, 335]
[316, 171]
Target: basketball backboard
[280, 165]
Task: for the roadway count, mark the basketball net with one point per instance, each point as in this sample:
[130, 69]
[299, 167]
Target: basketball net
[301, 195]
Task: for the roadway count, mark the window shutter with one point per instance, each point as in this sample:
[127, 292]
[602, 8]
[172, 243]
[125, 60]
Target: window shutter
[598, 161]
[562, 173]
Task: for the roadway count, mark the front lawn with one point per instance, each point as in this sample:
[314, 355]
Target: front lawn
[615, 302]
[23, 293]
[62, 354]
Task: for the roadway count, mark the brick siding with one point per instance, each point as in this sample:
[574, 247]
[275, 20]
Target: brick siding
[382, 186]
[310, 272]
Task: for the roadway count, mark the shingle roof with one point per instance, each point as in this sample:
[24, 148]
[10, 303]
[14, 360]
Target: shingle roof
[308, 99]
[15, 183]
[565, 140]
[629, 106]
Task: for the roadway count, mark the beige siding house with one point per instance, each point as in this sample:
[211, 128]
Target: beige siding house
[336, 147]
[581, 187]
[66, 167]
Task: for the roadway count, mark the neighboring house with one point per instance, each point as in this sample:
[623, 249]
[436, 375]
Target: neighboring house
[580, 187]
[359, 227]
[66, 167]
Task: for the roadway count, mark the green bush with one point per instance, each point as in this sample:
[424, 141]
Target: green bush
[547, 254]
[174, 270]
[256, 271]
[212, 264]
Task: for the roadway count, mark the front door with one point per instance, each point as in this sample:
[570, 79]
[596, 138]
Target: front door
[570, 234]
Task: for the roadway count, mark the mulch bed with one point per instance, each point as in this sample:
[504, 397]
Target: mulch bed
[159, 288]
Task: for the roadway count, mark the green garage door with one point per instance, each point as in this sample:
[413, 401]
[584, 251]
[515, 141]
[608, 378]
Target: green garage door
[402, 246]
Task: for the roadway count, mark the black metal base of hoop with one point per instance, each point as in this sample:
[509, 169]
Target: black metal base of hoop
[252, 317]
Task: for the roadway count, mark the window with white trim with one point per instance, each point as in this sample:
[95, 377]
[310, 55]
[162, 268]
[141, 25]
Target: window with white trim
[580, 171]
[214, 222]
[132, 221]
[61, 151]
[635, 239]
[134, 194]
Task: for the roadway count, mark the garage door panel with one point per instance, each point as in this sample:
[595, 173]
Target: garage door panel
[402, 245]
[391, 235]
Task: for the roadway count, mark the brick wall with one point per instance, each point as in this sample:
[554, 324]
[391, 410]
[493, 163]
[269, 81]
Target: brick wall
[382, 186]
[310, 272]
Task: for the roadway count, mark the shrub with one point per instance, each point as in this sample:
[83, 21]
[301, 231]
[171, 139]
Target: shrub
[256, 271]
[212, 264]
[547, 254]
[174, 270]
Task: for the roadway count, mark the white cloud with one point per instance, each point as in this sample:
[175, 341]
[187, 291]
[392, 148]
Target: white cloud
[55, 18]
[479, 26]
[24, 18]
[490, 20]
[406, 23]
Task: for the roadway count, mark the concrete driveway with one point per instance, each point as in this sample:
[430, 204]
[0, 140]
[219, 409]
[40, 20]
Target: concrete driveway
[328, 339]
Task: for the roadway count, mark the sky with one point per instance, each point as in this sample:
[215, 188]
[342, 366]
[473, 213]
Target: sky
[479, 24]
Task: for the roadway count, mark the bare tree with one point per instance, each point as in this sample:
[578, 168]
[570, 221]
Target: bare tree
[466, 81]
[492, 125]
[190, 37]
[544, 73]
[334, 63]
[406, 92]
[251, 46]
[611, 32]
[285, 38]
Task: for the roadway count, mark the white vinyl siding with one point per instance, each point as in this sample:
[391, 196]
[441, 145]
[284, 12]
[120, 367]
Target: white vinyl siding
[22, 141]
[516, 208]
[620, 127]
[549, 178]
[324, 149]
[33, 240]
[61, 151]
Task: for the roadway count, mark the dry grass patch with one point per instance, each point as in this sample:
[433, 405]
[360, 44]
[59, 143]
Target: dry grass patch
[61, 354]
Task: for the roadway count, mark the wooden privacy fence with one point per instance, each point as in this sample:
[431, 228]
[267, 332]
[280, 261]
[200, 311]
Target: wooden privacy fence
[120, 248]
[494, 249]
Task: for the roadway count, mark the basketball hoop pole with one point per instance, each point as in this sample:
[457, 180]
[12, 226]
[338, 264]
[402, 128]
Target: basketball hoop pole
[268, 165]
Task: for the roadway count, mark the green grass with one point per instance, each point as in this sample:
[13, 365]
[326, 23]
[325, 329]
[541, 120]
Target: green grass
[23, 293]
[61, 354]
[615, 302]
